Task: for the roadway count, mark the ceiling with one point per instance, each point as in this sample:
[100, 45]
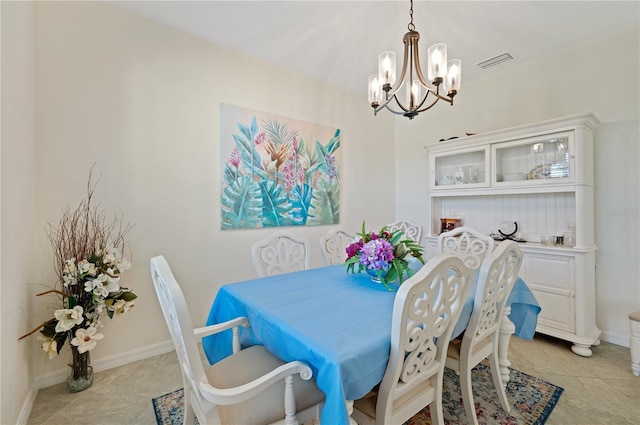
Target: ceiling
[339, 41]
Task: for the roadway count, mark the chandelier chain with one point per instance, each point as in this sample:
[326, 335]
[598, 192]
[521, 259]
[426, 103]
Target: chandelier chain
[411, 27]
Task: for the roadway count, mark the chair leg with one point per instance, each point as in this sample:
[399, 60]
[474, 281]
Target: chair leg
[189, 414]
[435, 407]
[467, 393]
[289, 402]
[497, 382]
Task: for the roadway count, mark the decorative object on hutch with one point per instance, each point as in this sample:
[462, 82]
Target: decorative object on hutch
[439, 72]
[540, 176]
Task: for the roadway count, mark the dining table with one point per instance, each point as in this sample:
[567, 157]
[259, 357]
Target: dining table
[336, 322]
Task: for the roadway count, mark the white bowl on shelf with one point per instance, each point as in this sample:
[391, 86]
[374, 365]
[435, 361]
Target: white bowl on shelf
[444, 181]
[511, 177]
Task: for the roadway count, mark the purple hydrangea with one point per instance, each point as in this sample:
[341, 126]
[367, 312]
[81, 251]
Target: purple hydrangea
[376, 254]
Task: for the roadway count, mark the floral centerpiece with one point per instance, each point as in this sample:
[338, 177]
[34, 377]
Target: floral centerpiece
[88, 261]
[382, 255]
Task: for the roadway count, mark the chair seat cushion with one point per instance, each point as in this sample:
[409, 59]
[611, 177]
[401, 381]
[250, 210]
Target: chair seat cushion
[455, 347]
[268, 406]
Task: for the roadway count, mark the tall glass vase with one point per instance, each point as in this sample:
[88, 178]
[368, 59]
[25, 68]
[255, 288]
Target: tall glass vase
[81, 372]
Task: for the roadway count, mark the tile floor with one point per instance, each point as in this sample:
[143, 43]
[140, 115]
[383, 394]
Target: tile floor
[598, 390]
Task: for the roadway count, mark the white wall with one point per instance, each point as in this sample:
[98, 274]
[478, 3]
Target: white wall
[17, 171]
[598, 76]
[142, 101]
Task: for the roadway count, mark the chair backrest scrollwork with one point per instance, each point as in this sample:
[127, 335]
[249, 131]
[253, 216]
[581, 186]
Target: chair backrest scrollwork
[279, 253]
[466, 243]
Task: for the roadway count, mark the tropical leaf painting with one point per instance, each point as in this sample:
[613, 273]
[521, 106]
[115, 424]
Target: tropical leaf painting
[277, 171]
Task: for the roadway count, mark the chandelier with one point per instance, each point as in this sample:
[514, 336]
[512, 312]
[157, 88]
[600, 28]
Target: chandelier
[439, 73]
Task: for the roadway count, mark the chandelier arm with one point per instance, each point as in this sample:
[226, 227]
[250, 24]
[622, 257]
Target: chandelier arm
[388, 108]
[427, 107]
[391, 93]
[416, 58]
[385, 105]
[439, 96]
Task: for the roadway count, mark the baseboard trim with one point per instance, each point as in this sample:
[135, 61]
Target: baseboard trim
[109, 362]
[622, 340]
[23, 418]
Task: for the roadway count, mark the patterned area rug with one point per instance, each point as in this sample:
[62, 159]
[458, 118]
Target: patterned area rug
[532, 401]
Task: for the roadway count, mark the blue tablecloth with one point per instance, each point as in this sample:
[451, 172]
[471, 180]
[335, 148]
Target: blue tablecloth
[338, 323]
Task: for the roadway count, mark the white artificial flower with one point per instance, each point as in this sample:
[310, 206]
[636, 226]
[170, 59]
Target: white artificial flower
[99, 290]
[123, 264]
[68, 318]
[97, 285]
[121, 306]
[112, 282]
[88, 286]
[68, 280]
[85, 266]
[70, 266]
[86, 339]
[110, 256]
[49, 346]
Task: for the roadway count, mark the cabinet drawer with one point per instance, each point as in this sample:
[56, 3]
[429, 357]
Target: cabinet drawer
[550, 273]
[557, 311]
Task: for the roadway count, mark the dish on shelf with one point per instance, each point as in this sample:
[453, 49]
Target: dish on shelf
[515, 177]
[445, 181]
[541, 171]
[508, 228]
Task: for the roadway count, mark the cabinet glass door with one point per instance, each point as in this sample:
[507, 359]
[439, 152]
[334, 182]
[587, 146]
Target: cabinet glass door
[538, 159]
[460, 169]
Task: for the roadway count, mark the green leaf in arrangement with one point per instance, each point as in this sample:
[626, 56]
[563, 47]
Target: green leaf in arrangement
[128, 296]
[241, 204]
[49, 330]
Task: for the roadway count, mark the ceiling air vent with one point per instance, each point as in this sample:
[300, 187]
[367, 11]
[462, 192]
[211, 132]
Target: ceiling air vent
[495, 61]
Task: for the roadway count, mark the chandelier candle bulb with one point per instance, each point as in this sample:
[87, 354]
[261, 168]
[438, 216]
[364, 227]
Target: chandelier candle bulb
[437, 57]
[413, 93]
[375, 92]
[454, 72]
[387, 68]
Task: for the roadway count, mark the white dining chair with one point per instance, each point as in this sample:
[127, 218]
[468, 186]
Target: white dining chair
[251, 386]
[496, 278]
[466, 243]
[280, 252]
[425, 311]
[411, 230]
[333, 245]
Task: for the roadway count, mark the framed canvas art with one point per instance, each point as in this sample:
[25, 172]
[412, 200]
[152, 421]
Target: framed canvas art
[277, 171]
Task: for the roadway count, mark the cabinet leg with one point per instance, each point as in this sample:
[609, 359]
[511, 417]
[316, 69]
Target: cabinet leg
[583, 350]
[507, 328]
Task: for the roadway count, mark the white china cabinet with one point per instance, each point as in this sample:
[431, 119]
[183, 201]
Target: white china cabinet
[539, 176]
